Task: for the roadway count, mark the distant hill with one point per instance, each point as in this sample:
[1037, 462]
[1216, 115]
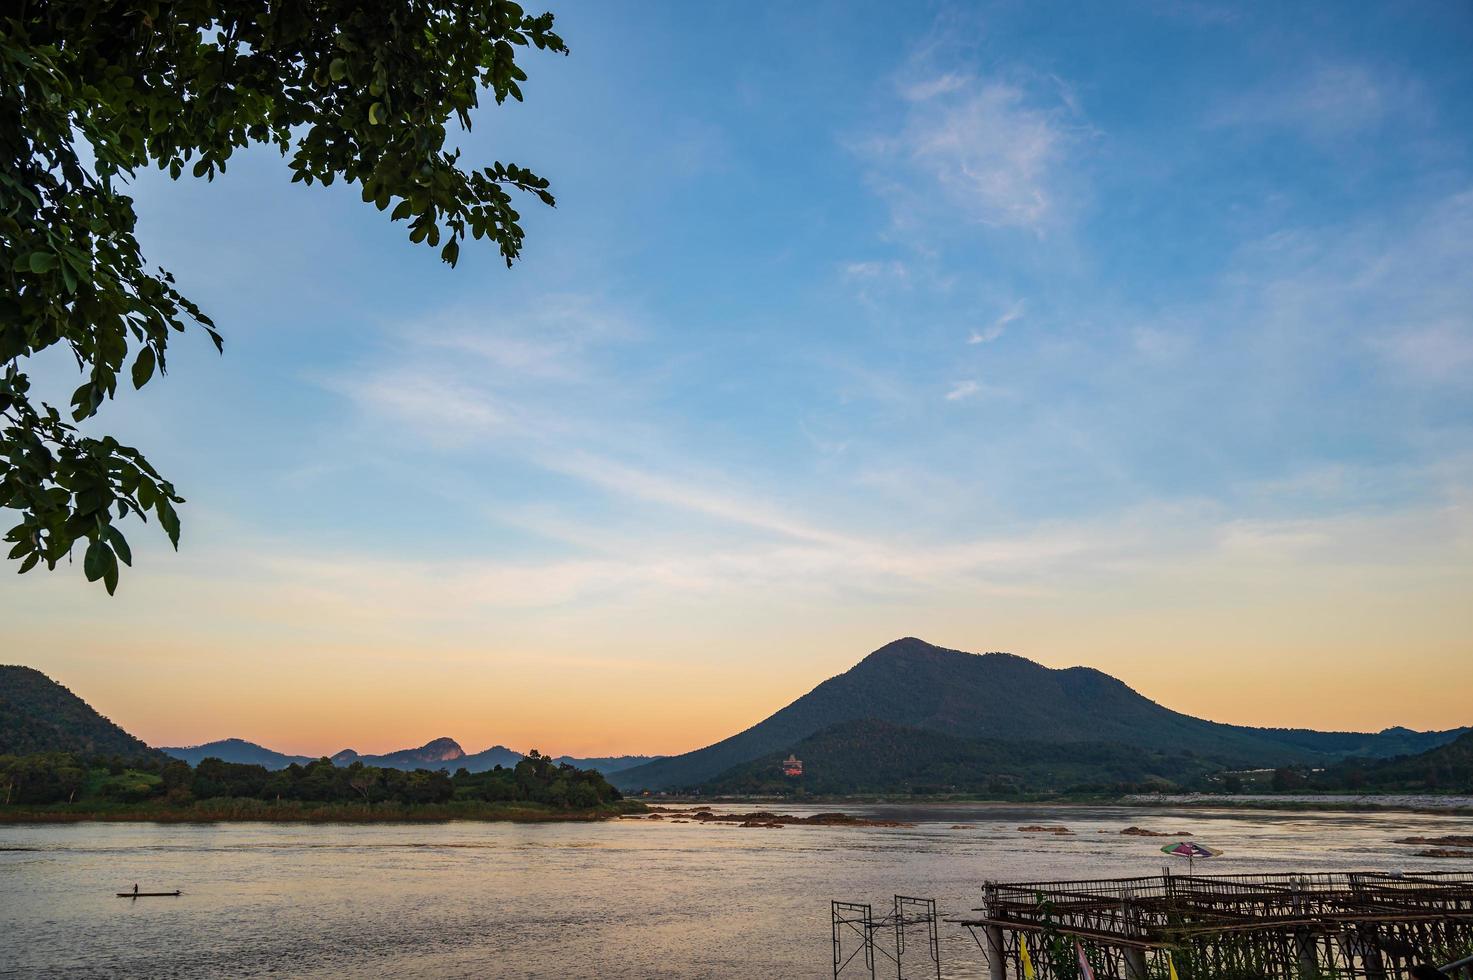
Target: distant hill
[607, 764]
[878, 757]
[1385, 744]
[913, 684]
[236, 750]
[1444, 769]
[39, 715]
[440, 753]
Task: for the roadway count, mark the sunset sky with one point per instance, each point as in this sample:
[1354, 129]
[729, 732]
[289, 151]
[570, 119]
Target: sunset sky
[1136, 337]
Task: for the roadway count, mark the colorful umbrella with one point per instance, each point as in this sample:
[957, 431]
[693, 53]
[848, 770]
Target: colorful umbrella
[1190, 850]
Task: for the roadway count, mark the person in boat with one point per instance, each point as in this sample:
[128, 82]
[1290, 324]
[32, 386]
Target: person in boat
[135, 889]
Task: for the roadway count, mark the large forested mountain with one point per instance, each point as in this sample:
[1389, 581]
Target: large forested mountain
[912, 684]
[878, 757]
[39, 715]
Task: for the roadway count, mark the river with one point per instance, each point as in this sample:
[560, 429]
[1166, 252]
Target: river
[623, 899]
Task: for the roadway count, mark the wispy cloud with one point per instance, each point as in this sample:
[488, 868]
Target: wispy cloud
[985, 150]
[962, 390]
[998, 327]
[1440, 352]
[1328, 100]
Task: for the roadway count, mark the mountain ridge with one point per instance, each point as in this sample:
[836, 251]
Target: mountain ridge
[914, 684]
[438, 753]
[38, 714]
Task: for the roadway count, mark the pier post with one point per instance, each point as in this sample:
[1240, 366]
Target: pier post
[1135, 964]
[1306, 953]
[997, 964]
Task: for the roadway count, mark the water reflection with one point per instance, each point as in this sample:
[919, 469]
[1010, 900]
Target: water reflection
[626, 899]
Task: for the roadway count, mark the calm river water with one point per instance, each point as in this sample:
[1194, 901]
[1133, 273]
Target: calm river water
[625, 899]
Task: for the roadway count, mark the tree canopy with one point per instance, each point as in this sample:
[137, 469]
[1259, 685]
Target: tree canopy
[92, 91]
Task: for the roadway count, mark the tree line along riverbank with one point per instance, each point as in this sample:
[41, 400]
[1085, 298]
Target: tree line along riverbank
[60, 787]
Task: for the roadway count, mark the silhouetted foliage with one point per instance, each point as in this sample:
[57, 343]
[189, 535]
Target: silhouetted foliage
[92, 91]
[61, 777]
[39, 715]
[878, 757]
[1445, 769]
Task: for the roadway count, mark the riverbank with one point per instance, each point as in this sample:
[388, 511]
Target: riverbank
[287, 811]
[1348, 803]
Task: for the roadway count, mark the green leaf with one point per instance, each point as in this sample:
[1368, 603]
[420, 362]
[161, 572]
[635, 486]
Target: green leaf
[42, 261]
[169, 520]
[119, 543]
[94, 564]
[109, 571]
[337, 70]
[376, 114]
[143, 367]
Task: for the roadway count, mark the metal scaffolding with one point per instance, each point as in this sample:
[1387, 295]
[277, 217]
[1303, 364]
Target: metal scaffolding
[910, 919]
[1349, 926]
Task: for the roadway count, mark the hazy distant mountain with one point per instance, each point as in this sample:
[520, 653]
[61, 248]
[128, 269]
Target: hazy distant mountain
[236, 750]
[607, 764]
[1385, 744]
[912, 684]
[496, 755]
[39, 715]
[441, 753]
[1446, 769]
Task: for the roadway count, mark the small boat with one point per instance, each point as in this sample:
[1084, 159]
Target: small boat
[173, 894]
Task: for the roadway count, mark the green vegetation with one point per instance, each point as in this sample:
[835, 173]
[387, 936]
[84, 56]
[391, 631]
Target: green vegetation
[878, 757]
[39, 715]
[91, 92]
[59, 786]
[1445, 769]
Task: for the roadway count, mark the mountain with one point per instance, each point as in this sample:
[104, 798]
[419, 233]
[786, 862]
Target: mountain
[606, 764]
[39, 715]
[496, 755]
[878, 757]
[236, 750]
[1385, 744]
[438, 753]
[441, 753]
[1444, 769]
[913, 684]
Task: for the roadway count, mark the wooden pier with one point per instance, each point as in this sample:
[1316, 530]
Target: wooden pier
[1349, 926]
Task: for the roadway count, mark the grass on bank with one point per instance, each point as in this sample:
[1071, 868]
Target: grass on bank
[289, 811]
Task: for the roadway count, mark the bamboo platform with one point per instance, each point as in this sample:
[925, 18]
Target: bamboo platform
[1370, 925]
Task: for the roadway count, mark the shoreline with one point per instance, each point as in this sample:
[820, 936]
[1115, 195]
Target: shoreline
[1457, 805]
[62, 813]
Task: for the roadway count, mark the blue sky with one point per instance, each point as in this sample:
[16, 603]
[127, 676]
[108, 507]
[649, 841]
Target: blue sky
[1132, 335]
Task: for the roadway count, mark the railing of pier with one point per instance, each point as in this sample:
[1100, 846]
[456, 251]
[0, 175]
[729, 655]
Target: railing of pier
[1460, 970]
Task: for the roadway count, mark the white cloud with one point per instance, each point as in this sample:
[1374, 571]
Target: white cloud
[990, 152]
[938, 85]
[985, 151]
[1325, 101]
[1441, 352]
[996, 328]
[962, 390]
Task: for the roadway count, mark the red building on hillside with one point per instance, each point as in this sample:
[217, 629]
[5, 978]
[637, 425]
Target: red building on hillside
[792, 766]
